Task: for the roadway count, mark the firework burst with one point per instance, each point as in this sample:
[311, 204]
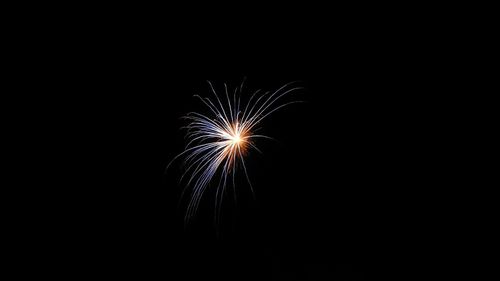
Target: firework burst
[217, 143]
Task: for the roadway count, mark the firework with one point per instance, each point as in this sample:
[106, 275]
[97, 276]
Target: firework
[217, 143]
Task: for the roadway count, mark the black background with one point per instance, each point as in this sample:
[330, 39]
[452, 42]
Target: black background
[336, 195]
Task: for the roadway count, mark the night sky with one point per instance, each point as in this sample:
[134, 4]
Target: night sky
[334, 195]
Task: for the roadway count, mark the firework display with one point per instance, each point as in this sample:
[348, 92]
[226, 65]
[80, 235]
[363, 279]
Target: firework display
[217, 143]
